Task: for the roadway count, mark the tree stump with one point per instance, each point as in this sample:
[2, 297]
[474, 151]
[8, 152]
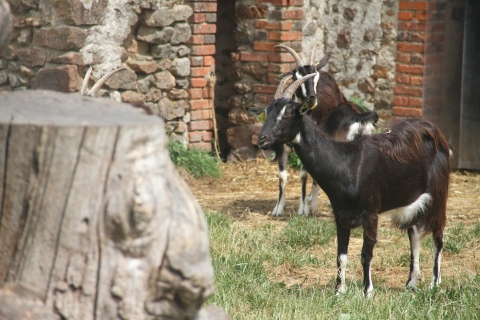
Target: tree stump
[94, 217]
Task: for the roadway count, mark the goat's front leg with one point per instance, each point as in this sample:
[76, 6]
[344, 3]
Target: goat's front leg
[343, 238]
[414, 237]
[437, 259]
[282, 181]
[313, 197]
[369, 241]
[303, 209]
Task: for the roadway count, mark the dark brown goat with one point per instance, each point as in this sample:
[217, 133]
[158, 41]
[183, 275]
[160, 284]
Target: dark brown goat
[343, 123]
[403, 172]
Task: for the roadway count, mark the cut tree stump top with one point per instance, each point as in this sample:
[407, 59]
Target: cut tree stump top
[60, 109]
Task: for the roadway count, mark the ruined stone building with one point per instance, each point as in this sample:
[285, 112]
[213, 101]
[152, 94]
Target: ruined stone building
[194, 62]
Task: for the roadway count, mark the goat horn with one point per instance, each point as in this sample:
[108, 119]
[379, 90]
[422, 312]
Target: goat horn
[85, 81]
[99, 83]
[312, 56]
[293, 53]
[288, 94]
[281, 87]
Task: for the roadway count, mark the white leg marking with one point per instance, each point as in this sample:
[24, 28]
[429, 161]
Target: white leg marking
[313, 197]
[303, 209]
[278, 210]
[439, 262]
[415, 247]
[342, 288]
[405, 215]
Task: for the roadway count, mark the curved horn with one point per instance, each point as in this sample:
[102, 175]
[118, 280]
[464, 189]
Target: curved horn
[293, 53]
[85, 81]
[281, 87]
[312, 56]
[99, 83]
[288, 94]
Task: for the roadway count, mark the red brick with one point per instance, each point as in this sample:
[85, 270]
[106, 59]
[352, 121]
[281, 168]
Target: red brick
[261, 88]
[402, 78]
[423, 16]
[273, 25]
[282, 3]
[203, 50]
[279, 67]
[198, 82]
[409, 47]
[401, 101]
[413, 26]
[406, 112]
[418, 37]
[195, 93]
[284, 35]
[415, 102]
[197, 39]
[209, 61]
[272, 78]
[416, 80]
[263, 98]
[409, 91]
[200, 104]
[204, 7]
[410, 68]
[280, 57]
[195, 136]
[207, 136]
[200, 71]
[197, 18]
[417, 58]
[200, 125]
[402, 15]
[206, 93]
[204, 28]
[292, 14]
[247, 56]
[207, 114]
[206, 146]
[421, 5]
[403, 57]
[264, 46]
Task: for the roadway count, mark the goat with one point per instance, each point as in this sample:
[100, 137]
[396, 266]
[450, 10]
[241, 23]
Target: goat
[98, 85]
[327, 96]
[403, 172]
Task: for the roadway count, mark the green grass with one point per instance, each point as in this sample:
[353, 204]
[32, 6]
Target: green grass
[197, 163]
[243, 259]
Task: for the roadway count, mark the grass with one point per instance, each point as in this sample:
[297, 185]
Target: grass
[249, 263]
[197, 163]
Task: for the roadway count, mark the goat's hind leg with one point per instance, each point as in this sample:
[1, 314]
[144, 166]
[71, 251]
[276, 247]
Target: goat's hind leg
[343, 238]
[313, 197]
[303, 208]
[437, 259]
[414, 238]
[282, 181]
[369, 241]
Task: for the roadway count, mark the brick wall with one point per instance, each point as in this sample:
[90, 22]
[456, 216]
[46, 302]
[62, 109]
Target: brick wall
[202, 44]
[262, 25]
[419, 44]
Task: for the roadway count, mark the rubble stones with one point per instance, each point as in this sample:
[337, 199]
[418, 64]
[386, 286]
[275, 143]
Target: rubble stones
[61, 38]
[62, 78]
[181, 33]
[32, 57]
[164, 80]
[181, 67]
[126, 80]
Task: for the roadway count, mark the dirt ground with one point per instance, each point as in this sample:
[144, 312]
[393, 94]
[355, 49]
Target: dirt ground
[248, 192]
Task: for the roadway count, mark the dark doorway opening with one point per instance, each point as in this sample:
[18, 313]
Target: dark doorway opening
[224, 45]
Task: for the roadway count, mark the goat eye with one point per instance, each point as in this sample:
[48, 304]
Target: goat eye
[287, 114]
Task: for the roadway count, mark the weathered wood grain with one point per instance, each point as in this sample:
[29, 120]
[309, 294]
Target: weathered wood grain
[94, 217]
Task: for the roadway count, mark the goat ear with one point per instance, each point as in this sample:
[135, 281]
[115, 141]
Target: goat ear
[308, 104]
[323, 62]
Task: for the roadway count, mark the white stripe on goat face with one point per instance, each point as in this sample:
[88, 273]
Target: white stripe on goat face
[280, 115]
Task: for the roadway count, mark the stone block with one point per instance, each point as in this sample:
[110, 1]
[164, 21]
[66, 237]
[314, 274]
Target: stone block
[159, 18]
[181, 67]
[170, 110]
[163, 51]
[164, 80]
[62, 78]
[72, 58]
[241, 116]
[177, 94]
[181, 33]
[32, 57]
[126, 80]
[80, 12]
[153, 95]
[61, 38]
[154, 35]
[142, 66]
[132, 96]
[182, 12]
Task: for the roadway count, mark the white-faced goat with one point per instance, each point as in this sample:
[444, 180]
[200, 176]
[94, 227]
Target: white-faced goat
[403, 172]
[341, 123]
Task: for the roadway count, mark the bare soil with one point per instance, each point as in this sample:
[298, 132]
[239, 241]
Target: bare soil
[248, 192]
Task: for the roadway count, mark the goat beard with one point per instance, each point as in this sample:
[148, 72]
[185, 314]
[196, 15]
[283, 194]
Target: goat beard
[279, 150]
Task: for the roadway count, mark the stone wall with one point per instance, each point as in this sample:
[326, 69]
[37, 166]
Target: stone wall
[54, 42]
